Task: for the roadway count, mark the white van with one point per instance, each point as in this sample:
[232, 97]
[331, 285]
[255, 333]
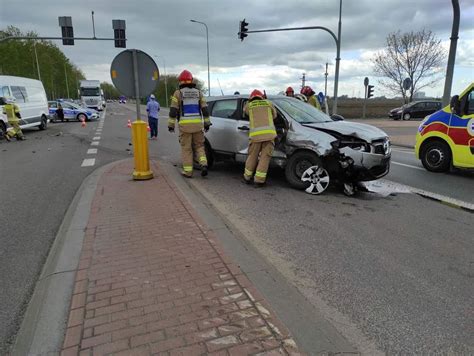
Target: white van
[30, 98]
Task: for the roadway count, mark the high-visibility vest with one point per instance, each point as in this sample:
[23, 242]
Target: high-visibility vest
[312, 100]
[11, 110]
[189, 101]
[261, 121]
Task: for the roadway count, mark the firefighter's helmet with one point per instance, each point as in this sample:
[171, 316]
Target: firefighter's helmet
[185, 77]
[256, 94]
[289, 90]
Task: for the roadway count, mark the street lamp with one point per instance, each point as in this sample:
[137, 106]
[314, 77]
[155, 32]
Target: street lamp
[208, 71]
[166, 80]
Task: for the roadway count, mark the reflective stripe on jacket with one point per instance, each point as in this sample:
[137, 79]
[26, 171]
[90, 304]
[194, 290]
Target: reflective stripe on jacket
[261, 116]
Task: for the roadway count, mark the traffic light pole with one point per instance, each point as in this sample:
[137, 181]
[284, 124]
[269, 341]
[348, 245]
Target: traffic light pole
[338, 49]
[55, 38]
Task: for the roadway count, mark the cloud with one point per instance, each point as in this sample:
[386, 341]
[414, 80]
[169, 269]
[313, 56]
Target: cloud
[163, 29]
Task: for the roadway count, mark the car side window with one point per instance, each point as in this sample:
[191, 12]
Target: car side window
[6, 92]
[53, 105]
[226, 109]
[470, 103]
[16, 91]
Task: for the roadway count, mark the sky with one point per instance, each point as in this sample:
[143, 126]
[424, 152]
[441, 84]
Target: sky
[270, 61]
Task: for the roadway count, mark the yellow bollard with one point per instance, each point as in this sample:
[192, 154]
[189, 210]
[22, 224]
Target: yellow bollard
[140, 151]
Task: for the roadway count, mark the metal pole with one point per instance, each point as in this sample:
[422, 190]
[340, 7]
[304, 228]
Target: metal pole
[37, 62]
[452, 53]
[326, 81]
[135, 79]
[93, 24]
[208, 67]
[67, 85]
[338, 59]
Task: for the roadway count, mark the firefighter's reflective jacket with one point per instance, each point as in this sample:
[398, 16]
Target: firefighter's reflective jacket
[261, 114]
[189, 107]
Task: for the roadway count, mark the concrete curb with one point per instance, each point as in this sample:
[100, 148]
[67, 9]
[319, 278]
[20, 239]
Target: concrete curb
[312, 332]
[42, 329]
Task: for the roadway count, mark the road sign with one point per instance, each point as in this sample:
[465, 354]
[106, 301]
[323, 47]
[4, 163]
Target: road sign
[122, 73]
[407, 83]
[366, 81]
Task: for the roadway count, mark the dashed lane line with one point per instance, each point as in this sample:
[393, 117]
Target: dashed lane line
[406, 165]
[96, 138]
[95, 143]
[92, 151]
[88, 162]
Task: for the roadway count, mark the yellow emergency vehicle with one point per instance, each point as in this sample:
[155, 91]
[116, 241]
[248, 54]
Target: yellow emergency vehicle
[445, 138]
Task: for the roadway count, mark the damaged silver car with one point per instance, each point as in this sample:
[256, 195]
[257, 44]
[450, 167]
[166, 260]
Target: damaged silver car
[313, 149]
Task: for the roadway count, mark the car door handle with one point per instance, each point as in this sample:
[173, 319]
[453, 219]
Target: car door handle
[244, 128]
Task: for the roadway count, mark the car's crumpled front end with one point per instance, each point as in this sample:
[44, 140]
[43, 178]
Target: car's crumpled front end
[357, 152]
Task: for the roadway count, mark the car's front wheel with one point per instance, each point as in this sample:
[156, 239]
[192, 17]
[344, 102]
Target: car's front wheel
[297, 165]
[436, 156]
[44, 123]
[406, 116]
[81, 117]
[209, 155]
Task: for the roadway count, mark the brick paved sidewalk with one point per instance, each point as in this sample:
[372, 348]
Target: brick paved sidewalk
[153, 280]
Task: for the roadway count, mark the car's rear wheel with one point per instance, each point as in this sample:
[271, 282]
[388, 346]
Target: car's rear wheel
[297, 165]
[436, 156]
[44, 123]
[406, 116]
[81, 117]
[3, 129]
[209, 154]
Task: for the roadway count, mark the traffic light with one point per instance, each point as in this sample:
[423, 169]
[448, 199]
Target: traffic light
[119, 33]
[243, 29]
[370, 91]
[67, 32]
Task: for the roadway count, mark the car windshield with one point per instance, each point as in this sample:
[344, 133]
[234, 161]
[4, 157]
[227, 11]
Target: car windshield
[301, 111]
[90, 91]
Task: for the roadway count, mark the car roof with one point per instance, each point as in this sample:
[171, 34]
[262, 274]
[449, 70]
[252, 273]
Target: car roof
[243, 96]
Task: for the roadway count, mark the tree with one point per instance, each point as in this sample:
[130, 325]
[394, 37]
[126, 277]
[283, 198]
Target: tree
[18, 59]
[414, 55]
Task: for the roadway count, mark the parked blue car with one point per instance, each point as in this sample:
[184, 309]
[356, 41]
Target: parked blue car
[72, 111]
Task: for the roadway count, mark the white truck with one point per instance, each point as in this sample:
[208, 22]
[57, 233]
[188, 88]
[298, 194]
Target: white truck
[91, 94]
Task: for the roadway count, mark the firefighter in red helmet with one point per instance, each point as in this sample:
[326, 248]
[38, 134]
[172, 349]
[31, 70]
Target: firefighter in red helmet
[262, 135]
[310, 95]
[189, 107]
[290, 92]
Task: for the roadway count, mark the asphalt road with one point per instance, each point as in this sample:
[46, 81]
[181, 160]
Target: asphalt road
[39, 178]
[392, 271]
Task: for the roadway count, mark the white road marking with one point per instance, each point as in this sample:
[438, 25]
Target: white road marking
[95, 143]
[403, 151]
[407, 165]
[96, 138]
[92, 151]
[88, 162]
[386, 187]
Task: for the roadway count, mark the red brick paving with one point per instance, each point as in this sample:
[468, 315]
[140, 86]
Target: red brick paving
[152, 279]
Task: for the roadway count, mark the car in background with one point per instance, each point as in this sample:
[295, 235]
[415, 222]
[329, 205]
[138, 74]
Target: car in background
[30, 97]
[445, 138]
[312, 148]
[72, 111]
[122, 99]
[415, 110]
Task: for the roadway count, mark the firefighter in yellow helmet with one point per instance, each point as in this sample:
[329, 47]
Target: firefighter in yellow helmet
[189, 107]
[310, 95]
[262, 135]
[13, 116]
